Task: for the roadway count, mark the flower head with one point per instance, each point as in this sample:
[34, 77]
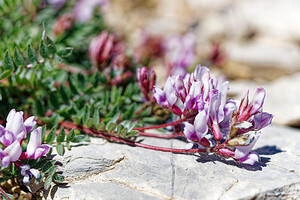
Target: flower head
[35, 148]
[10, 154]
[106, 49]
[28, 172]
[146, 80]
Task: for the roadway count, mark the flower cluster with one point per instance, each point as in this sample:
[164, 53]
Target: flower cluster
[230, 127]
[11, 138]
[180, 52]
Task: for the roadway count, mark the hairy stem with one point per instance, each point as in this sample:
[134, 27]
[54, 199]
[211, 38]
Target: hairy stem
[103, 134]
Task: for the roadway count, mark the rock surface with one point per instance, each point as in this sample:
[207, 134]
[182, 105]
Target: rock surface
[103, 170]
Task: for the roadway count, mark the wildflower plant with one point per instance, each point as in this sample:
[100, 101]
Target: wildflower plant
[65, 79]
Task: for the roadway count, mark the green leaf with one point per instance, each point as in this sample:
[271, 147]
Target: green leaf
[39, 107]
[132, 133]
[52, 170]
[44, 131]
[53, 101]
[7, 174]
[43, 50]
[51, 46]
[38, 180]
[68, 146]
[124, 131]
[111, 127]
[60, 149]
[131, 126]
[80, 138]
[31, 54]
[58, 178]
[89, 122]
[47, 166]
[65, 52]
[8, 62]
[114, 119]
[48, 66]
[2, 179]
[48, 182]
[18, 58]
[70, 136]
[86, 114]
[73, 86]
[64, 93]
[51, 136]
[5, 74]
[96, 116]
[81, 81]
[58, 59]
[76, 120]
[61, 136]
[100, 126]
[128, 114]
[119, 128]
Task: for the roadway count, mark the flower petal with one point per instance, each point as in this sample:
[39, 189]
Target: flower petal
[13, 151]
[29, 124]
[250, 158]
[35, 141]
[200, 124]
[35, 173]
[170, 92]
[242, 151]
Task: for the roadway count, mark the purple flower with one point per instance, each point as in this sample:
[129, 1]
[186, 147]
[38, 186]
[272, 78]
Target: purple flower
[84, 9]
[251, 158]
[29, 124]
[28, 172]
[247, 110]
[261, 120]
[15, 125]
[146, 80]
[243, 151]
[167, 97]
[35, 149]
[10, 154]
[15, 128]
[180, 52]
[107, 49]
[191, 134]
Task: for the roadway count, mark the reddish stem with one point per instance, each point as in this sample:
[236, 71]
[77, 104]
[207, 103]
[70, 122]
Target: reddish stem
[160, 126]
[4, 194]
[159, 136]
[110, 137]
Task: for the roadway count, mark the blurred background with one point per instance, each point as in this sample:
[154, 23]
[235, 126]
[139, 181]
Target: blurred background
[253, 42]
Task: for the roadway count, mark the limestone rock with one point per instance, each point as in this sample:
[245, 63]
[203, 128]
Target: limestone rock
[148, 174]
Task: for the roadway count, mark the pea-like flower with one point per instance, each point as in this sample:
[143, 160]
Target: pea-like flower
[28, 172]
[228, 127]
[35, 148]
[146, 80]
[10, 154]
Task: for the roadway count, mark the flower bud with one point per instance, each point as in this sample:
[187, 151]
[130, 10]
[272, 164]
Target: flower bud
[106, 49]
[226, 152]
[63, 23]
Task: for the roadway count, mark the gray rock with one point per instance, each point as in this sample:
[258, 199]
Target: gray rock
[136, 173]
